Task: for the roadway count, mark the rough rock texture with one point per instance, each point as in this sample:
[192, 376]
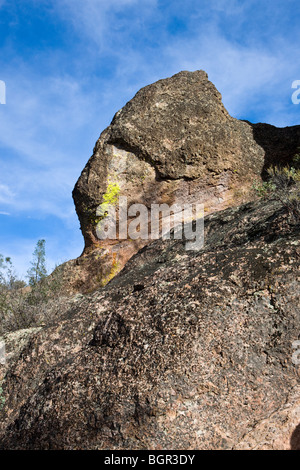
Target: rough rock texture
[181, 350]
[173, 142]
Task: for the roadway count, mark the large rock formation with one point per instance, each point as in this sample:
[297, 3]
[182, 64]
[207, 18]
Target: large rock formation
[174, 142]
[182, 350]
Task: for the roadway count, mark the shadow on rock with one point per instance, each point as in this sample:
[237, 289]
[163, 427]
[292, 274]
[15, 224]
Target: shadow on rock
[295, 439]
[279, 143]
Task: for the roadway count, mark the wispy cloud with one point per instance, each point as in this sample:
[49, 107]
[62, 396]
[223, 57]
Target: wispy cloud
[250, 79]
[41, 126]
[106, 22]
[239, 44]
[6, 194]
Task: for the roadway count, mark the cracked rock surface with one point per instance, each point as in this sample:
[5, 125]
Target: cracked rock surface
[181, 350]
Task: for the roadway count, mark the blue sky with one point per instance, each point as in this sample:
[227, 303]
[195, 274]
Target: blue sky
[69, 65]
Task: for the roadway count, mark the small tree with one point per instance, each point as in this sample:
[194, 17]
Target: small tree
[5, 266]
[38, 271]
[10, 293]
[8, 278]
[22, 306]
[5, 271]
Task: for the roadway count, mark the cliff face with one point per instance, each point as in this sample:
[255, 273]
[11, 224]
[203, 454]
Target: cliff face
[174, 142]
[182, 350]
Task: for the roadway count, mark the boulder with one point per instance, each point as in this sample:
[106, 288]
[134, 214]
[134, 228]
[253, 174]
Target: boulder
[173, 143]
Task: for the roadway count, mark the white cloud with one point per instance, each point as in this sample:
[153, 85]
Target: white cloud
[41, 109]
[95, 10]
[97, 19]
[6, 194]
[41, 125]
[243, 74]
[243, 70]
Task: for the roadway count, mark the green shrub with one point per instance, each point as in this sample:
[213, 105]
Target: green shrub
[24, 306]
[283, 184]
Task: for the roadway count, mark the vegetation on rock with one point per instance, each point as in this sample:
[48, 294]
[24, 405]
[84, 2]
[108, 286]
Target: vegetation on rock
[283, 184]
[23, 306]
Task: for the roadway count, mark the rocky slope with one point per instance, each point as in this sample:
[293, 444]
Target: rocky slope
[181, 350]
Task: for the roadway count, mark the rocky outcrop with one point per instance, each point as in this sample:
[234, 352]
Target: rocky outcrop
[181, 350]
[174, 142]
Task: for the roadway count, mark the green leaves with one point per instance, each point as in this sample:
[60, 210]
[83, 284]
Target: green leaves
[263, 189]
[284, 185]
